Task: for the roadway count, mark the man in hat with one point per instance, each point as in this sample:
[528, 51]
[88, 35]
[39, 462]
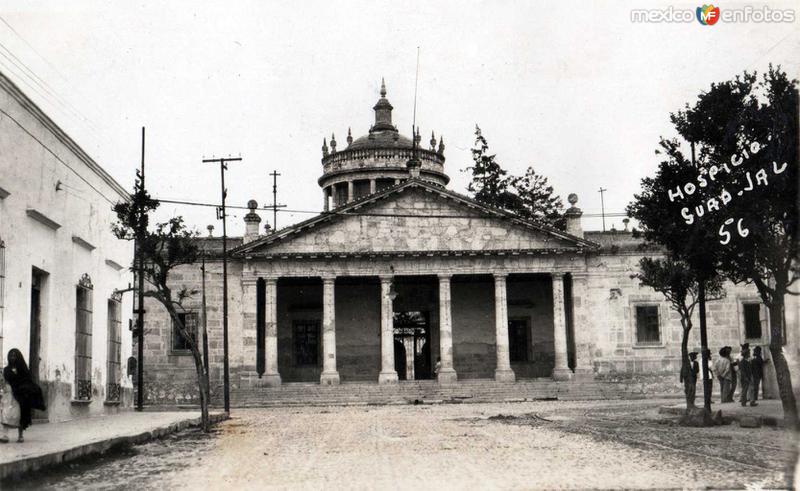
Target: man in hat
[722, 367]
[757, 368]
[745, 374]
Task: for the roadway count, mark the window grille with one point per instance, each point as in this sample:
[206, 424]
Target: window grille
[83, 339]
[647, 328]
[114, 352]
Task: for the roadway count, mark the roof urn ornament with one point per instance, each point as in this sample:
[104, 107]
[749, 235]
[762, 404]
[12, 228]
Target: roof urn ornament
[433, 141]
[441, 144]
[333, 143]
[324, 148]
[349, 137]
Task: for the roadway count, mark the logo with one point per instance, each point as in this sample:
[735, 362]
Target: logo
[708, 15]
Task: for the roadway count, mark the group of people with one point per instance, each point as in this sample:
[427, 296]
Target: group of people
[19, 396]
[746, 370]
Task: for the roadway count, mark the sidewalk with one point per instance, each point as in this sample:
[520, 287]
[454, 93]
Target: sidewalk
[769, 412]
[55, 443]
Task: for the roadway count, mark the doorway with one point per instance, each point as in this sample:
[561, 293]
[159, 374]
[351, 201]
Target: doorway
[412, 345]
[38, 278]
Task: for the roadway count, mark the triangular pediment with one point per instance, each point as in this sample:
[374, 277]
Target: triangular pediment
[413, 217]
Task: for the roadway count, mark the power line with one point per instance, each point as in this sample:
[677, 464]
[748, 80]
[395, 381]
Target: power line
[334, 212]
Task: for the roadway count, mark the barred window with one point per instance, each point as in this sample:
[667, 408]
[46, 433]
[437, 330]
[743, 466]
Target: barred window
[647, 329]
[2, 277]
[180, 343]
[83, 339]
[114, 352]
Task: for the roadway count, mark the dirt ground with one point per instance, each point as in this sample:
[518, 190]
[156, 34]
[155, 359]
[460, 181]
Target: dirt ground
[538, 445]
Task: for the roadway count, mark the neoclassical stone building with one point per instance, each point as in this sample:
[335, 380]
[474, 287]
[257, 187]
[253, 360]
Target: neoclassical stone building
[398, 273]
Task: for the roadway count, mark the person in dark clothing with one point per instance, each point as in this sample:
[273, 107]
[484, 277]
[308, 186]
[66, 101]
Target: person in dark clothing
[757, 369]
[745, 375]
[23, 388]
[734, 374]
[689, 379]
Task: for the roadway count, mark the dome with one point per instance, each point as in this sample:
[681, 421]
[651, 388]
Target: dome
[381, 139]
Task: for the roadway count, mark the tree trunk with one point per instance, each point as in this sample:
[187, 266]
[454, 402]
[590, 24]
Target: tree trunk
[781, 367]
[686, 367]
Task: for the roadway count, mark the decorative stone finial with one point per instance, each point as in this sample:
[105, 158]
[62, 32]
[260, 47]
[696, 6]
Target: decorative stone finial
[417, 137]
[267, 229]
[333, 143]
[626, 221]
[349, 137]
[324, 148]
[210, 229]
[433, 141]
[383, 87]
[251, 221]
[572, 198]
[441, 144]
[573, 216]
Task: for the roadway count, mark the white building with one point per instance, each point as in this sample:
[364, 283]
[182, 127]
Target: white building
[60, 264]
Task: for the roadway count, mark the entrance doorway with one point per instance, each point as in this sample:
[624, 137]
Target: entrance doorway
[412, 345]
[38, 278]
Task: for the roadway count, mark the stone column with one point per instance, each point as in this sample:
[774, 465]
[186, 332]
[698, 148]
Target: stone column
[372, 186]
[271, 376]
[581, 327]
[447, 373]
[349, 191]
[329, 374]
[561, 369]
[388, 373]
[326, 204]
[503, 372]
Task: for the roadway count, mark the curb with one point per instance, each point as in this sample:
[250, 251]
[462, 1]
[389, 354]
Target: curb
[10, 470]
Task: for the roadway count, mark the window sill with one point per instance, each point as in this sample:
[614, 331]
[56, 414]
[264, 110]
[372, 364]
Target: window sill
[80, 402]
[648, 346]
[180, 353]
[112, 403]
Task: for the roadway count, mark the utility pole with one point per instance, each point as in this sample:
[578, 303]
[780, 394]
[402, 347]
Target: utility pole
[603, 207]
[205, 312]
[275, 204]
[223, 166]
[140, 233]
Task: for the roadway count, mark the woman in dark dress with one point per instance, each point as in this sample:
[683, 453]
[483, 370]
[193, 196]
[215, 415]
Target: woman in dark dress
[25, 391]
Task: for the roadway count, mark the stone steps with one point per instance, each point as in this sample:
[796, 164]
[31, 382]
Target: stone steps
[428, 391]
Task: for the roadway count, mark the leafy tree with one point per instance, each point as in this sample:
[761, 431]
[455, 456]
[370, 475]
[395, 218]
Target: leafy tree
[530, 195]
[680, 286]
[740, 217]
[537, 200]
[164, 247]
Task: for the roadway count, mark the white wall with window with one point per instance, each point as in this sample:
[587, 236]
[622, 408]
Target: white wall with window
[55, 210]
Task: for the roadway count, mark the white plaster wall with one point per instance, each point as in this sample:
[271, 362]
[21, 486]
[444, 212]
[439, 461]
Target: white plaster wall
[32, 161]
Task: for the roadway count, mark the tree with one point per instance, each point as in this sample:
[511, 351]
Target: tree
[165, 247]
[738, 203]
[529, 196]
[680, 286]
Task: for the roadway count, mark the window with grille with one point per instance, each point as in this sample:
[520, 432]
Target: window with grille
[752, 320]
[518, 339]
[2, 277]
[180, 343]
[306, 342]
[114, 353]
[83, 340]
[647, 329]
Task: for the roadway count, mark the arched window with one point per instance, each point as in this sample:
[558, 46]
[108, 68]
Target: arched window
[83, 339]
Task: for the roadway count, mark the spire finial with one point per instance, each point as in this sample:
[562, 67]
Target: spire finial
[383, 87]
[349, 136]
[433, 141]
[333, 143]
[441, 144]
[324, 147]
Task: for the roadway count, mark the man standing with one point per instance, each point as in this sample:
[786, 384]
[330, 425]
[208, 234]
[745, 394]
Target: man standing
[757, 369]
[690, 379]
[745, 375]
[722, 367]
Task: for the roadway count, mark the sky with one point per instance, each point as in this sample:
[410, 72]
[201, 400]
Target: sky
[574, 89]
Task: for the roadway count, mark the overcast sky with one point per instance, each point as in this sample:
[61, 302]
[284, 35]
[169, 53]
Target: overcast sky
[573, 88]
